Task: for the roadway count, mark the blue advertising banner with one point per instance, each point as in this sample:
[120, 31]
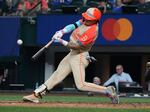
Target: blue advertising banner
[114, 29]
[47, 25]
[9, 32]
[124, 30]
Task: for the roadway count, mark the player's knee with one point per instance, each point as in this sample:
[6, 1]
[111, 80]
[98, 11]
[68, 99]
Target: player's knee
[80, 86]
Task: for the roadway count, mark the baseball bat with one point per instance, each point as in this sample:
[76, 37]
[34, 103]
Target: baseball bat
[41, 51]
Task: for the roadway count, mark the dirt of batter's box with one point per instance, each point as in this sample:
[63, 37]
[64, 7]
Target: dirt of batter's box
[83, 105]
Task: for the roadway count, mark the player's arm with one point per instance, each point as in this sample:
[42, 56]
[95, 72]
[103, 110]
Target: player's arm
[87, 39]
[74, 46]
[67, 29]
[69, 44]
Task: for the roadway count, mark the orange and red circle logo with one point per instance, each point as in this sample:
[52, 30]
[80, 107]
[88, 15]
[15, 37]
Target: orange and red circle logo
[120, 29]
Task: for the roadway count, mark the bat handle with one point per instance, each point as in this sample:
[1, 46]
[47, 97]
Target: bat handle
[49, 43]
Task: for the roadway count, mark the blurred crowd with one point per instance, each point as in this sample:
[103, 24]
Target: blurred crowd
[33, 7]
[23, 7]
[121, 6]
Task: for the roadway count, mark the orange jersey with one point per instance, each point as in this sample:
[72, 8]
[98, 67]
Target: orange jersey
[85, 36]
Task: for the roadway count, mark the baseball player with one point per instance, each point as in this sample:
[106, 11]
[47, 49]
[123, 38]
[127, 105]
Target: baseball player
[84, 34]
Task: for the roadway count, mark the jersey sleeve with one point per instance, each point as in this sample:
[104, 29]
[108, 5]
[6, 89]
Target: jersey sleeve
[71, 27]
[79, 22]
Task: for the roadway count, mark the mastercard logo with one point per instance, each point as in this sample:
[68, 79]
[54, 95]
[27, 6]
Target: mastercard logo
[117, 29]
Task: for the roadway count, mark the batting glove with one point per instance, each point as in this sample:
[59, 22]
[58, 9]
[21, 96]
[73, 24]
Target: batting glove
[59, 34]
[55, 38]
[63, 42]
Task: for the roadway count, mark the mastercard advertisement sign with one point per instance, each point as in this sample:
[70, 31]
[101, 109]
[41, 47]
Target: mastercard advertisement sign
[115, 29]
[124, 30]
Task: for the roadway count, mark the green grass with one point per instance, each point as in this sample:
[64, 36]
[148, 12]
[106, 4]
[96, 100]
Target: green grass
[46, 109]
[58, 98]
[83, 98]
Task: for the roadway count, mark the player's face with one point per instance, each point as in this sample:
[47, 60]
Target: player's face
[119, 70]
[89, 22]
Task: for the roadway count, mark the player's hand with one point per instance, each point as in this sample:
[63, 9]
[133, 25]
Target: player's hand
[55, 38]
[59, 34]
[63, 42]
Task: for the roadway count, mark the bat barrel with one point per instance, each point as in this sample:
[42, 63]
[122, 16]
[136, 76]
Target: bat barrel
[38, 54]
[41, 51]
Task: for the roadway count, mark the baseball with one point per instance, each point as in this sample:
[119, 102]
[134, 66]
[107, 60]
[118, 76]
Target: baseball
[19, 42]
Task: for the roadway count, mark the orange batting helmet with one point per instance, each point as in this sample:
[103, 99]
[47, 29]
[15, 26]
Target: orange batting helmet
[92, 14]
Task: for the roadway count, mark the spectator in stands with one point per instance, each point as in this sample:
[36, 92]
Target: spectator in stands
[128, 2]
[112, 2]
[15, 4]
[141, 1]
[147, 76]
[105, 6]
[1, 5]
[144, 6]
[32, 7]
[96, 80]
[44, 7]
[39, 6]
[119, 76]
[56, 5]
[121, 3]
[118, 6]
[84, 2]
[23, 7]
[3, 75]
[8, 8]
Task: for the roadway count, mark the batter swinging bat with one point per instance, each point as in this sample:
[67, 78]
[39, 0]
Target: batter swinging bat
[42, 50]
